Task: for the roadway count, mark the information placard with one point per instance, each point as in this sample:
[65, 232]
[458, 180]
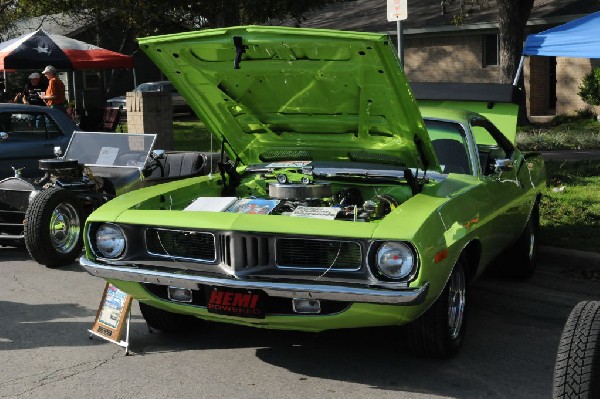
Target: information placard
[112, 313]
[397, 10]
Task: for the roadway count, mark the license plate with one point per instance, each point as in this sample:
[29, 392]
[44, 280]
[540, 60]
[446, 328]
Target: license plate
[236, 302]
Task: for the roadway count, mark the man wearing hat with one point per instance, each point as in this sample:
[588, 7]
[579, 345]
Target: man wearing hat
[33, 89]
[55, 93]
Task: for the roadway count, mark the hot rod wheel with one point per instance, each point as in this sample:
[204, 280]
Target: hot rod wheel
[53, 226]
[439, 332]
[577, 368]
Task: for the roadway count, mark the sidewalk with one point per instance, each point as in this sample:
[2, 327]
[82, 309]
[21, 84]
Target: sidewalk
[570, 155]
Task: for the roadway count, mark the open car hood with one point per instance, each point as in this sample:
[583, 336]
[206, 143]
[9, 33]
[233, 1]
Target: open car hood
[275, 93]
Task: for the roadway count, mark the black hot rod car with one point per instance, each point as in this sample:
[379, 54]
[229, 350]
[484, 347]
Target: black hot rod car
[47, 214]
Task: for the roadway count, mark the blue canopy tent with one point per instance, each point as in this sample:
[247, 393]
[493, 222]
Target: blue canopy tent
[576, 39]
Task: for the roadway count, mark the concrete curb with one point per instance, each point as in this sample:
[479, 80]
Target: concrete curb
[556, 255]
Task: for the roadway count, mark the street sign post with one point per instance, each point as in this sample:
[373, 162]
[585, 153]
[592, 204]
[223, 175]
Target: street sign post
[397, 10]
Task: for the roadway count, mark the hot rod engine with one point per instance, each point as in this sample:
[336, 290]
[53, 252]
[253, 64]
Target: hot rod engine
[318, 200]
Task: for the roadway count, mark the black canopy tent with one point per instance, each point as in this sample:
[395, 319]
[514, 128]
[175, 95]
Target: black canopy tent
[37, 49]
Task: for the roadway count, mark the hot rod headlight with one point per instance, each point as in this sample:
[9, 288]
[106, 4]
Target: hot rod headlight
[395, 260]
[110, 240]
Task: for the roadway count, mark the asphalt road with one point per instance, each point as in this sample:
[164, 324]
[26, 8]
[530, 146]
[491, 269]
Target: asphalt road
[514, 328]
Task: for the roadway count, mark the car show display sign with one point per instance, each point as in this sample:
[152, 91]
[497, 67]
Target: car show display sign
[112, 316]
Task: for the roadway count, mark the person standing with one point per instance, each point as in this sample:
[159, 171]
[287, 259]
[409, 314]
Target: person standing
[33, 89]
[55, 93]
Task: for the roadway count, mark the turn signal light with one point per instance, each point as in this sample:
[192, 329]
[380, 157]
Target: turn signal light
[440, 256]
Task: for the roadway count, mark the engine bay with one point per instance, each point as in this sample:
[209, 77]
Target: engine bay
[299, 190]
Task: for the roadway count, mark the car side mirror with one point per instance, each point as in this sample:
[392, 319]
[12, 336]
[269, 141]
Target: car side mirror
[504, 165]
[157, 154]
[58, 152]
[3, 136]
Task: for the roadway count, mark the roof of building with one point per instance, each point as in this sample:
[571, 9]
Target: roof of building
[425, 16]
[57, 24]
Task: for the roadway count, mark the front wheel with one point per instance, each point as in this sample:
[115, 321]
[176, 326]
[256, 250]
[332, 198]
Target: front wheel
[53, 227]
[440, 331]
[521, 259]
[577, 368]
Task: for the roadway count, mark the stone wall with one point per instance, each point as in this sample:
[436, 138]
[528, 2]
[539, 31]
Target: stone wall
[459, 58]
[453, 58]
[569, 72]
[151, 112]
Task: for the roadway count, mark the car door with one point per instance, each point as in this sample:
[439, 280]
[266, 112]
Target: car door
[28, 136]
[505, 190]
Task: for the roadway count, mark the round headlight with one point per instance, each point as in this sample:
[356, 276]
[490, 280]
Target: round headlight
[395, 260]
[110, 241]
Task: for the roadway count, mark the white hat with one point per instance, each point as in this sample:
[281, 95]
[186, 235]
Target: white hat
[49, 69]
[34, 75]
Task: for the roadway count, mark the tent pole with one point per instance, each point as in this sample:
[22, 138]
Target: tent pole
[134, 79]
[519, 71]
[4, 81]
[74, 89]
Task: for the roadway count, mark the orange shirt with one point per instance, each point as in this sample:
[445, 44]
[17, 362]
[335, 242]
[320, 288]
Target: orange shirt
[56, 88]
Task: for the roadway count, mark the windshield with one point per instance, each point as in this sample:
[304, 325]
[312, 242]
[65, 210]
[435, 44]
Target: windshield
[110, 149]
[148, 87]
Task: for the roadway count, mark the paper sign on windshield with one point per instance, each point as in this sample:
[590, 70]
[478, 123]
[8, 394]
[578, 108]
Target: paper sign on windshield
[107, 156]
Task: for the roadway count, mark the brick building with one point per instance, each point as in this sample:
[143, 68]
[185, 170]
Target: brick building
[437, 50]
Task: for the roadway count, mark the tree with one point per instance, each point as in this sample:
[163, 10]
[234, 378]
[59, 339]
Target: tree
[589, 89]
[512, 20]
[129, 19]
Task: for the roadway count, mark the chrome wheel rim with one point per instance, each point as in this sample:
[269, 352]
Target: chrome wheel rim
[456, 301]
[64, 228]
[531, 245]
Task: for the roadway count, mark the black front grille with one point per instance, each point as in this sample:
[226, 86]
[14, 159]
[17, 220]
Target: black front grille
[181, 244]
[14, 200]
[318, 254]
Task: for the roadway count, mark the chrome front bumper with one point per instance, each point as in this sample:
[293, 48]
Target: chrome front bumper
[386, 296]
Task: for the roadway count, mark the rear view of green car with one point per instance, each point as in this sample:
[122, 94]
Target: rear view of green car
[343, 204]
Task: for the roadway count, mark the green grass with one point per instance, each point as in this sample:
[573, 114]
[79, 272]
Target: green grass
[191, 135]
[573, 133]
[570, 208]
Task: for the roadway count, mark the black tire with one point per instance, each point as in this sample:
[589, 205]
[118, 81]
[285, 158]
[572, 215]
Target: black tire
[167, 322]
[439, 332]
[577, 368]
[54, 227]
[521, 260]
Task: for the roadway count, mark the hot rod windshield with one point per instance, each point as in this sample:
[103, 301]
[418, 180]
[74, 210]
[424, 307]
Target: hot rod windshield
[110, 149]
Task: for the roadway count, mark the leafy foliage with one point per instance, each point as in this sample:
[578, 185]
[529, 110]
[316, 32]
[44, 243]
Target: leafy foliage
[463, 9]
[589, 89]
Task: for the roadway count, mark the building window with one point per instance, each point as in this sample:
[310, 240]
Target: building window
[490, 50]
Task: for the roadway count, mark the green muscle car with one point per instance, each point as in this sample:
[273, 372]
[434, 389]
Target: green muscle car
[341, 204]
